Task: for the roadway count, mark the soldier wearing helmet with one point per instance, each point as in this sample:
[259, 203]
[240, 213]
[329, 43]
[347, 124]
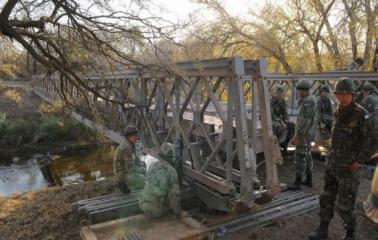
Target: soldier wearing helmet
[161, 194]
[129, 170]
[348, 148]
[282, 127]
[370, 99]
[355, 65]
[323, 115]
[301, 139]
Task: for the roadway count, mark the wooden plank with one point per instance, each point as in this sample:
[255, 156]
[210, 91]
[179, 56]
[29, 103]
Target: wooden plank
[148, 228]
[86, 233]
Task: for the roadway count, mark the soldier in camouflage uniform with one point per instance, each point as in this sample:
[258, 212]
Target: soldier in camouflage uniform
[161, 193]
[301, 139]
[355, 65]
[371, 204]
[348, 148]
[323, 115]
[129, 170]
[280, 118]
[370, 100]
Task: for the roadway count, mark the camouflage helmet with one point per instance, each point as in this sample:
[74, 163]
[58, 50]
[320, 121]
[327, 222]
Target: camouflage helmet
[303, 85]
[345, 85]
[324, 88]
[130, 130]
[280, 88]
[167, 152]
[367, 87]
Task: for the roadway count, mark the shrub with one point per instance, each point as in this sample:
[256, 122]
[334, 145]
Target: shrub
[18, 131]
[3, 124]
[13, 96]
[50, 129]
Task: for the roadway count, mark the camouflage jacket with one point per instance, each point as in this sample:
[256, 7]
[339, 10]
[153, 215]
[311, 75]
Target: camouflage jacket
[161, 192]
[125, 160]
[324, 111]
[305, 119]
[350, 139]
[278, 109]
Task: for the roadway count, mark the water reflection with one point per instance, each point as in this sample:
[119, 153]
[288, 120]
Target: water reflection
[20, 178]
[94, 166]
[29, 175]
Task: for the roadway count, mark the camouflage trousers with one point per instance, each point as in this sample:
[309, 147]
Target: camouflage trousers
[302, 160]
[344, 190]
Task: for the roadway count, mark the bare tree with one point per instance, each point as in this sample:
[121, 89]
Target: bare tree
[54, 31]
[236, 32]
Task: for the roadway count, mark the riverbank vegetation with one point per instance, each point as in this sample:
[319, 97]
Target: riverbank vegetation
[29, 126]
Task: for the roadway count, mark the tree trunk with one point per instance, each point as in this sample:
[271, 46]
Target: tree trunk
[352, 26]
[375, 58]
[317, 56]
[370, 17]
[335, 48]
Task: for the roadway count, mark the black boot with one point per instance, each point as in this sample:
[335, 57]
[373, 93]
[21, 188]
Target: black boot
[308, 181]
[349, 233]
[321, 233]
[296, 185]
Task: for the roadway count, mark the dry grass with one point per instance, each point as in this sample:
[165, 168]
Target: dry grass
[46, 214]
[13, 95]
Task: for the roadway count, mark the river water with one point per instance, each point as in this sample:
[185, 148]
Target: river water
[27, 175]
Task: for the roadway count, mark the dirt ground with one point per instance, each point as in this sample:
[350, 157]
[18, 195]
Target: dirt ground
[298, 227]
[47, 214]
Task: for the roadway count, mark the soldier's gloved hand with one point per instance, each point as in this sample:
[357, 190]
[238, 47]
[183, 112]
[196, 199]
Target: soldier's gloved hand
[123, 187]
[374, 157]
[354, 166]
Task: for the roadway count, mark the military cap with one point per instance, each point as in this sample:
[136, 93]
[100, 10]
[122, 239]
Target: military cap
[367, 86]
[324, 88]
[130, 130]
[345, 85]
[303, 85]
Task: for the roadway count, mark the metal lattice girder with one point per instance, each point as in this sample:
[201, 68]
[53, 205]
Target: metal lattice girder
[325, 76]
[209, 67]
